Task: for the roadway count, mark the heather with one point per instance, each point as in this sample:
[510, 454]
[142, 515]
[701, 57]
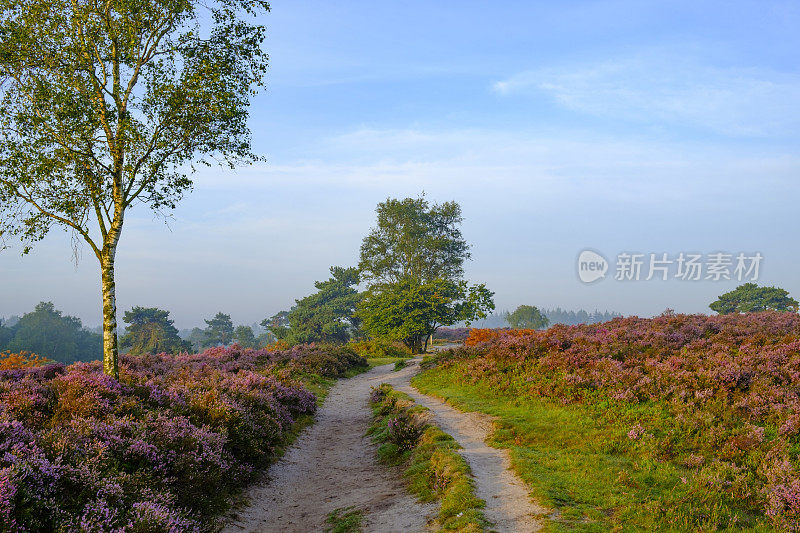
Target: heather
[451, 334]
[688, 421]
[162, 449]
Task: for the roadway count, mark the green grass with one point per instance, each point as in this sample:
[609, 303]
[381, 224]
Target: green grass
[344, 520]
[586, 470]
[433, 468]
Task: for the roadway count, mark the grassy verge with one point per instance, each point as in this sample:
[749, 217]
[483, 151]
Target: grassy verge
[587, 469]
[433, 468]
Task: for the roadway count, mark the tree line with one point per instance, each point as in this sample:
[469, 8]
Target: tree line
[45, 331]
[407, 284]
[50, 334]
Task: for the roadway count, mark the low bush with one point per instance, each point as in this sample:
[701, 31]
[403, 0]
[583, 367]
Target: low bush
[9, 360]
[162, 449]
[379, 349]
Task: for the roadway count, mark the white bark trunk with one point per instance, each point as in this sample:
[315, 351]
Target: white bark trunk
[110, 348]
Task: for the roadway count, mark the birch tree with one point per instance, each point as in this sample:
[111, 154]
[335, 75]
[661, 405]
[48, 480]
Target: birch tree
[107, 104]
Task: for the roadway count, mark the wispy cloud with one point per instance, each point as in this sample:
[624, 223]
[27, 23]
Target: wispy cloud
[485, 163]
[671, 89]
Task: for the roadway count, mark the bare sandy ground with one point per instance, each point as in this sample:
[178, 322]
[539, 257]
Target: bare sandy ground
[333, 465]
[508, 504]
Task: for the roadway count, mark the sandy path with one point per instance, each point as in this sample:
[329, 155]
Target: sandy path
[333, 465]
[508, 505]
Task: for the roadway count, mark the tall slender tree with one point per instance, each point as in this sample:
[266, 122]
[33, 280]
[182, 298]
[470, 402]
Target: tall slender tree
[104, 104]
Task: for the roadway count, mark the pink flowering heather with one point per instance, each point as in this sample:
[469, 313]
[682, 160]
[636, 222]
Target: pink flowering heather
[160, 450]
[719, 394]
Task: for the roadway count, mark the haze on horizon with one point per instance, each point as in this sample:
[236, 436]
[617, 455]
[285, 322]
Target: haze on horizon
[615, 126]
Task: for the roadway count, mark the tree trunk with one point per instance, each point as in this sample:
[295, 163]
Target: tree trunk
[110, 348]
[415, 344]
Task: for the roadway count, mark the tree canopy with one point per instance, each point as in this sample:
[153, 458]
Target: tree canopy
[409, 311]
[750, 297]
[244, 337]
[105, 105]
[328, 315]
[277, 324]
[413, 259]
[150, 330]
[414, 239]
[219, 330]
[527, 317]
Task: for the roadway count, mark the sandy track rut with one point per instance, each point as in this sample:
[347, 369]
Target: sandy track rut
[333, 465]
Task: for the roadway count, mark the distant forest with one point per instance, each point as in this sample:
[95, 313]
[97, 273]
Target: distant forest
[555, 316]
[48, 333]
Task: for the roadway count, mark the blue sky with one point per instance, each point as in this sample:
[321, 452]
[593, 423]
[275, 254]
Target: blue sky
[559, 126]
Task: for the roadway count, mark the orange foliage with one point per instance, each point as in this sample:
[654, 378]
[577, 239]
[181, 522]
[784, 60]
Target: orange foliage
[277, 346]
[22, 359]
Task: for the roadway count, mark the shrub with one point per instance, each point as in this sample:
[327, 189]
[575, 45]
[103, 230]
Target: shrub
[380, 349]
[404, 430]
[22, 359]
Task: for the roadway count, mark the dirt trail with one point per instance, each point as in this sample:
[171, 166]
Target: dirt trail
[333, 465]
[508, 505]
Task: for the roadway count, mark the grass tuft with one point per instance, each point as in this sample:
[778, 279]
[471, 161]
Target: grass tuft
[344, 520]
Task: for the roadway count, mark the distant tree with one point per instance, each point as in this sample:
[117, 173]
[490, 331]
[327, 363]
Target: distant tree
[278, 324]
[265, 339]
[527, 317]
[198, 339]
[570, 318]
[413, 259]
[46, 332]
[150, 330]
[219, 330]
[244, 337]
[107, 105]
[328, 314]
[750, 297]
[6, 334]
